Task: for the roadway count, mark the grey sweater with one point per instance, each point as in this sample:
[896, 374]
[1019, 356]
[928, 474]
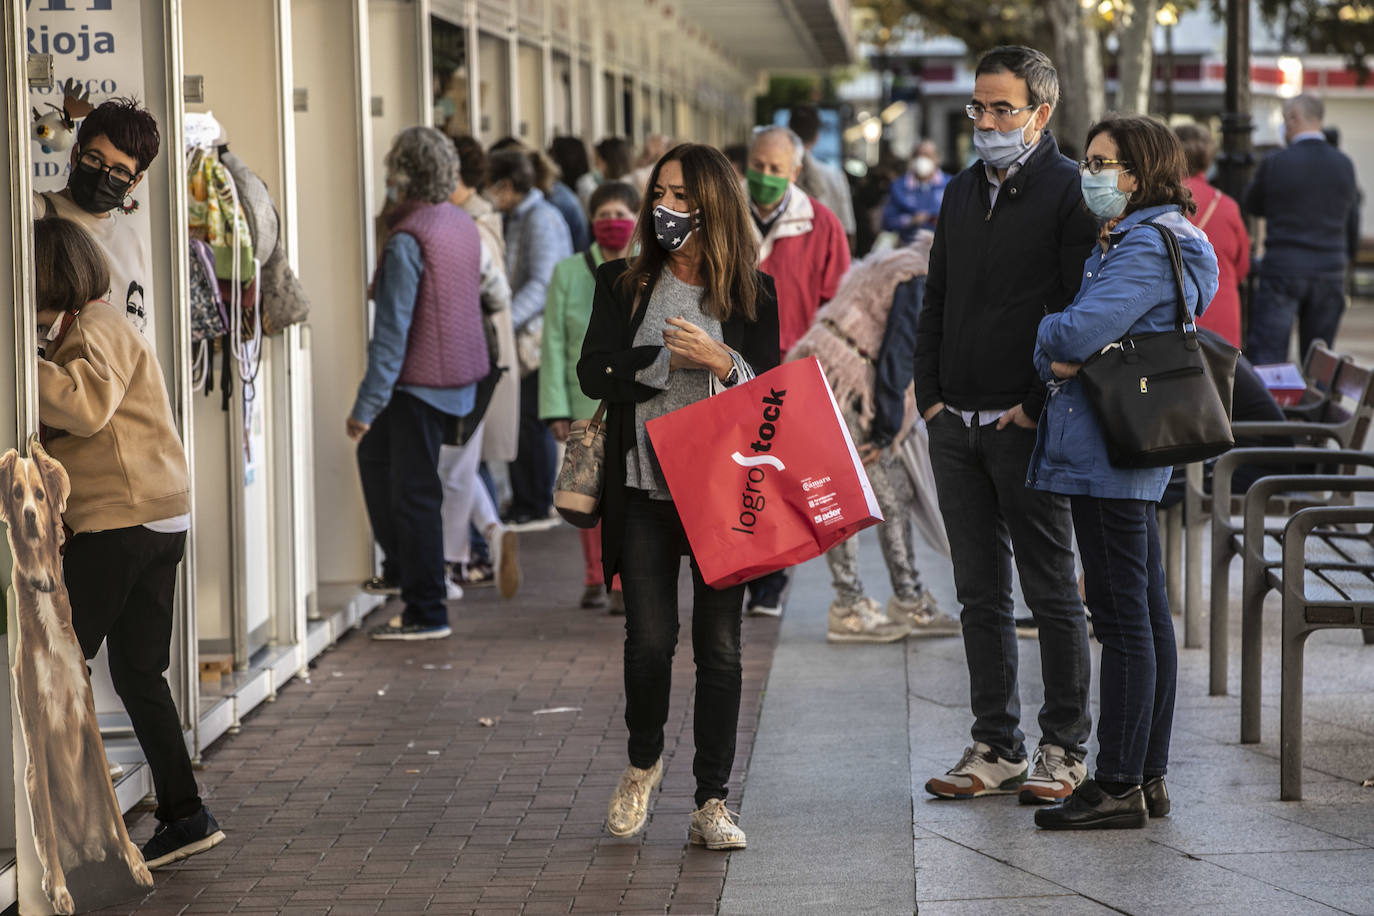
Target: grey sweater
[671, 299]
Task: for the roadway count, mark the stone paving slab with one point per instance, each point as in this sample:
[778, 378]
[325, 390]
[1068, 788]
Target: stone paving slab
[372, 787]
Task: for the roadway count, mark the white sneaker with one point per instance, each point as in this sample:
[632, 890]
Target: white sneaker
[862, 621]
[923, 616]
[629, 807]
[713, 826]
[454, 591]
[1053, 776]
[979, 772]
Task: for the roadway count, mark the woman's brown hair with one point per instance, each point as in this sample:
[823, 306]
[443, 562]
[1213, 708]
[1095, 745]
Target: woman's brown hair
[1154, 155]
[69, 269]
[724, 233]
[1198, 147]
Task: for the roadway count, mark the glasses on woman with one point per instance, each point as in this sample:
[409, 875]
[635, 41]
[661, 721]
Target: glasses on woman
[120, 174]
[1096, 164]
[1000, 113]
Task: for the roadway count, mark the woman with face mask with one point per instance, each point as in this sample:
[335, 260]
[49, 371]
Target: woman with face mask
[689, 305]
[567, 310]
[913, 203]
[1132, 176]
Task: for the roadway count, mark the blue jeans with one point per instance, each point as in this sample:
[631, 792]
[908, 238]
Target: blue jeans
[649, 572]
[1119, 541]
[1316, 301]
[398, 461]
[980, 476]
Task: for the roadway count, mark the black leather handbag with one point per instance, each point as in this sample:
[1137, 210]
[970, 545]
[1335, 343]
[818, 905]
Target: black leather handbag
[1163, 398]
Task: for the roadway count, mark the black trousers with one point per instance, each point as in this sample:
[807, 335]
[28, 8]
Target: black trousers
[121, 583]
[398, 461]
[535, 468]
[655, 544]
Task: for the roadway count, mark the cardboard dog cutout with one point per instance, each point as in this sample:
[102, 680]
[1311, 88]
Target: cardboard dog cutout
[86, 858]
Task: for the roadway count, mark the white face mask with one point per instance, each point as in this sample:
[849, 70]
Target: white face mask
[923, 167]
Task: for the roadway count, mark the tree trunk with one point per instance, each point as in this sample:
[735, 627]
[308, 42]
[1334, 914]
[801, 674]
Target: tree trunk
[1136, 58]
[1078, 58]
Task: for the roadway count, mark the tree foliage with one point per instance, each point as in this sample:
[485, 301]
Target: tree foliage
[1344, 27]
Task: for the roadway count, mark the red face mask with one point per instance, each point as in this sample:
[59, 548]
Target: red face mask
[613, 234]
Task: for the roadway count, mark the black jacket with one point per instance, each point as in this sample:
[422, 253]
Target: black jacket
[994, 273]
[607, 370]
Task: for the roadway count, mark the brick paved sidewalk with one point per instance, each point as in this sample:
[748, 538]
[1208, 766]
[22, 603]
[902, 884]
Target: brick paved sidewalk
[373, 787]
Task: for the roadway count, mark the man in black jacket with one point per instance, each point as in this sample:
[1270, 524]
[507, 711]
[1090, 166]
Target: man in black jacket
[1010, 243]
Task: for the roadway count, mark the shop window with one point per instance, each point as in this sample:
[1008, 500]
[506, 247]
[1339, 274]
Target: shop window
[449, 45]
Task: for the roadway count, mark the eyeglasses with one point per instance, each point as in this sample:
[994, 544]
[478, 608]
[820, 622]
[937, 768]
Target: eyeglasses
[120, 174]
[1000, 113]
[1096, 164]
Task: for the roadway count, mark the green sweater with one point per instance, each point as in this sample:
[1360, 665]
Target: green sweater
[567, 311]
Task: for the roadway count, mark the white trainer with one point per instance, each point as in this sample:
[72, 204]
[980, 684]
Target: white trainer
[1054, 775]
[714, 826]
[863, 621]
[629, 807]
[923, 616]
[979, 772]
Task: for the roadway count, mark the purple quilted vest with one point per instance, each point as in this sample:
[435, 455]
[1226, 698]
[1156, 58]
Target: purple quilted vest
[447, 347]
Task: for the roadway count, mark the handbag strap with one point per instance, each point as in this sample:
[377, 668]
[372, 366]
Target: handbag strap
[1186, 322]
[597, 418]
[1206, 216]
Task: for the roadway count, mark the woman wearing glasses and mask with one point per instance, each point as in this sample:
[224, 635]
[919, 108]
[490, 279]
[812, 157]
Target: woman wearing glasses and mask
[688, 306]
[114, 147]
[1132, 176]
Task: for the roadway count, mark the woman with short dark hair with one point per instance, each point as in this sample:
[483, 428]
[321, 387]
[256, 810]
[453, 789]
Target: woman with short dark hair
[1132, 179]
[690, 305]
[1218, 215]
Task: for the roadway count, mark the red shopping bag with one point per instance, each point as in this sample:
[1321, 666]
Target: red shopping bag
[764, 475]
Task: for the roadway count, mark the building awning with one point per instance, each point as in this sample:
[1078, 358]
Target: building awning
[778, 34]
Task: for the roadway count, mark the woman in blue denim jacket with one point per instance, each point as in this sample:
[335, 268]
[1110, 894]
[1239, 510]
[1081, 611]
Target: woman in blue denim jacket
[1133, 174]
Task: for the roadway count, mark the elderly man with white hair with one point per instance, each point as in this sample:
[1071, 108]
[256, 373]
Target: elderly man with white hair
[1307, 197]
[803, 248]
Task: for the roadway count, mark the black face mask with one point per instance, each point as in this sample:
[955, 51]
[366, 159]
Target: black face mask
[96, 190]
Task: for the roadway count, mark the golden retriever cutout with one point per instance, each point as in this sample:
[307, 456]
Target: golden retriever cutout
[76, 817]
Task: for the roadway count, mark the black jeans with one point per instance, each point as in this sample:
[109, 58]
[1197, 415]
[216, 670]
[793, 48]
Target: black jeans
[534, 470]
[121, 583]
[989, 511]
[398, 462]
[1124, 575]
[655, 544]
[1316, 301]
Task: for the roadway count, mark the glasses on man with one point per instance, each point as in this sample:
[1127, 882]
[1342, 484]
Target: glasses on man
[1002, 114]
[1096, 164]
[120, 174]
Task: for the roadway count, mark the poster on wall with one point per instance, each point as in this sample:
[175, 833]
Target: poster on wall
[80, 857]
[97, 53]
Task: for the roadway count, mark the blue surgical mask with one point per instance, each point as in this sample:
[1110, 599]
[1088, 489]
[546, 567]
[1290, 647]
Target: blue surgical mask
[1102, 195]
[1001, 148]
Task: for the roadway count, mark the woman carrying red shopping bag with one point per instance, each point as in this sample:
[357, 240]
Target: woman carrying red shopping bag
[689, 306]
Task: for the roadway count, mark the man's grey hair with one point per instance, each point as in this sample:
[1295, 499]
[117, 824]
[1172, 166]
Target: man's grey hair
[1035, 67]
[423, 164]
[1308, 107]
[798, 147]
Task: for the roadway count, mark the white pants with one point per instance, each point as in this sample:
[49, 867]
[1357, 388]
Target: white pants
[466, 499]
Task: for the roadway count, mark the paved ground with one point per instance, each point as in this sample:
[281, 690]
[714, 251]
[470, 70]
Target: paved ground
[374, 787]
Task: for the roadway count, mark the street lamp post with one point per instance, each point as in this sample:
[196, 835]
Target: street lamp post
[1168, 17]
[1236, 158]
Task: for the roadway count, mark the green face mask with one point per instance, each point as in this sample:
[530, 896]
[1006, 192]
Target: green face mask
[766, 190]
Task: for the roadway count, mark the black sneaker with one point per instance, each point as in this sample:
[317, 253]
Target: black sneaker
[379, 586]
[396, 628]
[181, 839]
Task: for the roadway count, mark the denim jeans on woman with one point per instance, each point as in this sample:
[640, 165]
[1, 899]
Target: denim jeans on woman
[980, 476]
[649, 571]
[1124, 575]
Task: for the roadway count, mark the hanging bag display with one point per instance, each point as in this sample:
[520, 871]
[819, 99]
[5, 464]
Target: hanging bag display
[1163, 398]
[764, 475]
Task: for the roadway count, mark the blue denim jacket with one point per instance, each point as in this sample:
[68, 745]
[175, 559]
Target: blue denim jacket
[1129, 288]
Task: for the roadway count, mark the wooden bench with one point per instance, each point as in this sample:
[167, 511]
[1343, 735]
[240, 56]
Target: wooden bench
[1327, 582]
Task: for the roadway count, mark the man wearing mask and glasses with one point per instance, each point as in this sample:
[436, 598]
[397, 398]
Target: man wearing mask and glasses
[1009, 246]
[114, 147]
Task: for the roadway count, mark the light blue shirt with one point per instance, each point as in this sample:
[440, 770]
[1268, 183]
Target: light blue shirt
[398, 286]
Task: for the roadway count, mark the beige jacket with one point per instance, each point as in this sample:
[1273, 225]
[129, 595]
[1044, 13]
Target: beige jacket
[102, 396]
[500, 437]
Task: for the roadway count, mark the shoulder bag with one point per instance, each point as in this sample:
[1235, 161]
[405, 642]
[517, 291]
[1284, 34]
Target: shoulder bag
[1163, 398]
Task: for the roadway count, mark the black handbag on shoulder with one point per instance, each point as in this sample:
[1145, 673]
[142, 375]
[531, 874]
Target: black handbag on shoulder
[1163, 398]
